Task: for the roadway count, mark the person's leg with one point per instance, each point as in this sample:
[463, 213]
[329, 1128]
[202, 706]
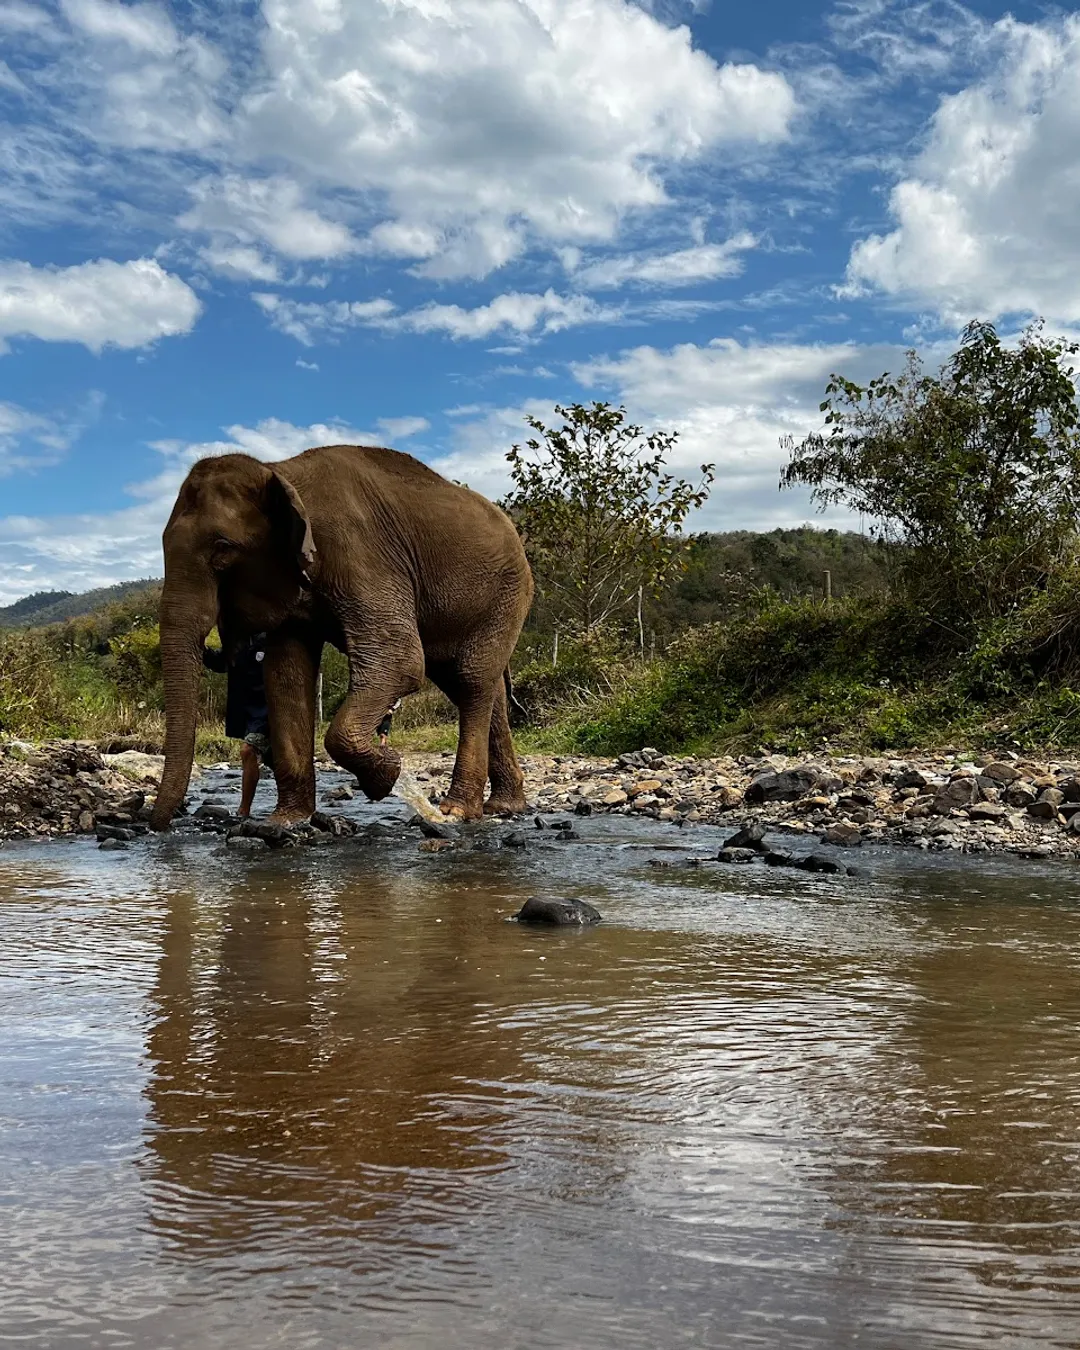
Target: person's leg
[249, 764]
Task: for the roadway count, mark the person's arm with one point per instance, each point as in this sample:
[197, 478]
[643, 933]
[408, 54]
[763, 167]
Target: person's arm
[214, 659]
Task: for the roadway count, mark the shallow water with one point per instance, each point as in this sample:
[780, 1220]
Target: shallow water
[331, 1098]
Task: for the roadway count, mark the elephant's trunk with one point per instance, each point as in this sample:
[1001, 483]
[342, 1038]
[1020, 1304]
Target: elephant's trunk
[188, 612]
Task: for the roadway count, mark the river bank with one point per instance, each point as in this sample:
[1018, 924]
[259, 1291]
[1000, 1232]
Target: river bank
[1008, 804]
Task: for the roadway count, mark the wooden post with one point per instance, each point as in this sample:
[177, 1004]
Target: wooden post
[828, 585]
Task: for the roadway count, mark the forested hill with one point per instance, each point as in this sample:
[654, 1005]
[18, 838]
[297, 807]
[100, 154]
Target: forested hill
[46, 607]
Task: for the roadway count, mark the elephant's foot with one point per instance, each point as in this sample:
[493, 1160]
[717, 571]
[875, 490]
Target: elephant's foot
[458, 810]
[506, 806]
[377, 774]
[286, 817]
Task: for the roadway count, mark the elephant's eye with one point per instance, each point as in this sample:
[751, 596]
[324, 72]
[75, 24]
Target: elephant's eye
[222, 552]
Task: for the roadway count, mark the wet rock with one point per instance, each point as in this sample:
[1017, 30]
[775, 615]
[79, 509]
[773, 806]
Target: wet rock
[212, 811]
[118, 832]
[112, 845]
[86, 822]
[558, 913]
[568, 836]
[786, 786]
[778, 857]
[844, 833]
[538, 823]
[749, 837]
[336, 826]
[342, 793]
[436, 846]
[820, 862]
[274, 835]
[562, 825]
[737, 855]
[246, 843]
[515, 839]
[583, 808]
[433, 829]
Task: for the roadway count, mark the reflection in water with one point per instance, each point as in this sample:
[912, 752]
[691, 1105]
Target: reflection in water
[333, 1099]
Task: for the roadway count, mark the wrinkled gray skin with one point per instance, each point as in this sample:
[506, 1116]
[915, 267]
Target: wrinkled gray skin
[372, 551]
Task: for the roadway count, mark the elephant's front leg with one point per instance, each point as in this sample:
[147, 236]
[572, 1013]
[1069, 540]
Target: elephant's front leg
[375, 685]
[291, 667]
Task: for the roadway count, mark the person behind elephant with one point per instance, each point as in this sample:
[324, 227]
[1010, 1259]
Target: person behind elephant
[383, 729]
[247, 718]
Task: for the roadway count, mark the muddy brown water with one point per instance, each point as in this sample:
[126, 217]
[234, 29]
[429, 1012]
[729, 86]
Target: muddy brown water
[332, 1098]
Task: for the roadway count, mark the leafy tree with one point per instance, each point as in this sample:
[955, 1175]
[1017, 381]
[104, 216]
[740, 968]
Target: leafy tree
[976, 469]
[600, 515]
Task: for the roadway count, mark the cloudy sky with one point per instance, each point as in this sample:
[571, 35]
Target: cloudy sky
[410, 222]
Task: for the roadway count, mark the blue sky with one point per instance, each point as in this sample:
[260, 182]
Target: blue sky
[411, 222]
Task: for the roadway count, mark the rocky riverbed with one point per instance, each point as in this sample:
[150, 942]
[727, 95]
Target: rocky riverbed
[1009, 803]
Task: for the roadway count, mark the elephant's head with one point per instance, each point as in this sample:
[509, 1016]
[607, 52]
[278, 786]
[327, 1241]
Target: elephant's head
[238, 547]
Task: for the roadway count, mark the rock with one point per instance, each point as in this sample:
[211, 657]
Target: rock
[515, 839]
[342, 793]
[956, 794]
[433, 829]
[1020, 794]
[615, 798]
[336, 826]
[988, 811]
[583, 808]
[562, 825]
[246, 843]
[845, 833]
[1070, 788]
[749, 837]
[1001, 773]
[1043, 810]
[276, 836]
[139, 765]
[778, 857]
[538, 822]
[558, 913]
[1053, 796]
[819, 862]
[787, 786]
[86, 822]
[911, 778]
[211, 811]
[111, 845]
[568, 836]
[118, 832]
[436, 845]
[737, 855]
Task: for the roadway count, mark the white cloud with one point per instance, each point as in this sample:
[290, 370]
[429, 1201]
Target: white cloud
[685, 267]
[29, 440]
[144, 27]
[99, 304]
[515, 312]
[306, 320]
[240, 262]
[511, 313]
[986, 214]
[268, 212]
[480, 125]
[401, 428]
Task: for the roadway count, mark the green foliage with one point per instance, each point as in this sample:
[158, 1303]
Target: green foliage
[49, 607]
[974, 470]
[600, 515]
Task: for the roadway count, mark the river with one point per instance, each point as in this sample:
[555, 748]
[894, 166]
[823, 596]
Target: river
[332, 1098]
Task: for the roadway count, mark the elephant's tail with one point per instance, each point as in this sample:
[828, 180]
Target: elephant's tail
[511, 698]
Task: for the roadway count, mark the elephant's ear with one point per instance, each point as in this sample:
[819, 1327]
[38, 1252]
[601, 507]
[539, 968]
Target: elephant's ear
[289, 504]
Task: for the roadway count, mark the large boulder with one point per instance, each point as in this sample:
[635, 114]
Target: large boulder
[787, 786]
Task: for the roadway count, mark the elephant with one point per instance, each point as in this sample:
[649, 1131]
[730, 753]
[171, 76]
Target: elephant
[372, 551]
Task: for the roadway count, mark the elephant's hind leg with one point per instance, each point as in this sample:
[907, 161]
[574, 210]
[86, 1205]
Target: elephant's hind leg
[507, 781]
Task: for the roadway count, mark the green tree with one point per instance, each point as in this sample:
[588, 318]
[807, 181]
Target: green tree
[600, 514]
[974, 470]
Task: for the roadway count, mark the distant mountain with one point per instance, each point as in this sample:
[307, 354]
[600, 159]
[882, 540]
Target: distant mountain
[45, 607]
